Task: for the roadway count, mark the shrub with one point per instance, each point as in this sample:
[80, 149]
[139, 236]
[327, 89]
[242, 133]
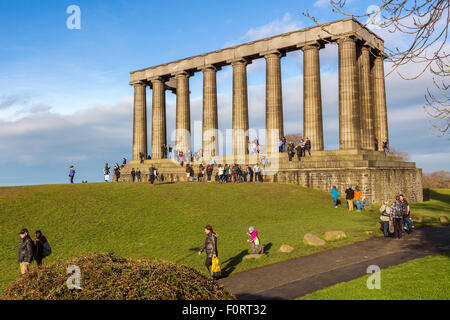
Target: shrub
[108, 277]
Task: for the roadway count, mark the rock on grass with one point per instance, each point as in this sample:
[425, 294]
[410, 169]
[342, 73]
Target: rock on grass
[108, 277]
[313, 240]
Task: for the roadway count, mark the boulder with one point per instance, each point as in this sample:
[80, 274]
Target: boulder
[428, 219]
[253, 256]
[369, 232]
[379, 226]
[417, 218]
[334, 235]
[313, 240]
[286, 248]
[444, 219]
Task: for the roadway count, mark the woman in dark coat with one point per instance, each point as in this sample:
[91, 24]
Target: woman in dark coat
[40, 240]
[211, 248]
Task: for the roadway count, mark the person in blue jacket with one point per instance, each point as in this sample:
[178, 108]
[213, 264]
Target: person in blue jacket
[335, 195]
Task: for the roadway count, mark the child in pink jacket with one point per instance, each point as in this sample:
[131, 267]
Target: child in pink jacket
[254, 239]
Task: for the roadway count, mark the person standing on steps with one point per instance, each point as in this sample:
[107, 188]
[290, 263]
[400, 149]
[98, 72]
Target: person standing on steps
[71, 173]
[133, 175]
[386, 147]
[151, 174]
[308, 146]
[210, 246]
[117, 172]
[298, 149]
[138, 174]
[26, 251]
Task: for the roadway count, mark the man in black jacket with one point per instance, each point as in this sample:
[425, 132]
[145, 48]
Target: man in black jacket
[349, 195]
[26, 251]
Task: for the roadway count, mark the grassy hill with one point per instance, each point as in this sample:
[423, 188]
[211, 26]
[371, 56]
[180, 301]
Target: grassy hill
[166, 221]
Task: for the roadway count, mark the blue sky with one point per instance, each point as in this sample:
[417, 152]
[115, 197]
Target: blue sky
[65, 98]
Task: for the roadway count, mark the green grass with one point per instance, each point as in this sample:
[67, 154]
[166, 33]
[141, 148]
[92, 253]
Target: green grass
[438, 205]
[166, 221]
[421, 279]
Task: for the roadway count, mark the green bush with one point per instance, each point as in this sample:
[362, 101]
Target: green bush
[108, 277]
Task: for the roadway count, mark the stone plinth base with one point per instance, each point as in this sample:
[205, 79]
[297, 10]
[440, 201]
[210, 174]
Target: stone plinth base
[378, 177]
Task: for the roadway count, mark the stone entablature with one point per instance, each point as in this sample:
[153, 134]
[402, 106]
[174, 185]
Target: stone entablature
[287, 42]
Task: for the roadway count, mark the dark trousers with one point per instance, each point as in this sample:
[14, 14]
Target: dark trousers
[208, 265]
[385, 228]
[398, 227]
[132, 178]
[152, 179]
[71, 179]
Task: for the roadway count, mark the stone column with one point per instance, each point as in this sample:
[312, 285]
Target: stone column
[183, 116]
[379, 101]
[349, 108]
[240, 107]
[365, 97]
[158, 117]
[312, 97]
[140, 121]
[274, 104]
[210, 119]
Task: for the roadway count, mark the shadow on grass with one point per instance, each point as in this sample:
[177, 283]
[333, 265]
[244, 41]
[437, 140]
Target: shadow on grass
[232, 263]
[237, 259]
[439, 202]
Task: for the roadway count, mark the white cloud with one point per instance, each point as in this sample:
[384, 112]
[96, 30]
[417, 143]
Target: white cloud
[286, 24]
[321, 3]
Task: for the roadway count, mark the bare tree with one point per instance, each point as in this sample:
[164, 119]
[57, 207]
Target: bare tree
[425, 22]
[294, 137]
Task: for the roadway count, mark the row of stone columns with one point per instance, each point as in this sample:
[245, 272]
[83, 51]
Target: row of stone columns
[362, 103]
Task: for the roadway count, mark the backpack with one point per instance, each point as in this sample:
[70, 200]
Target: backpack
[46, 250]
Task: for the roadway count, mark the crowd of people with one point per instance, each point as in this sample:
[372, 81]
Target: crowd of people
[225, 173]
[352, 197]
[293, 149]
[396, 217]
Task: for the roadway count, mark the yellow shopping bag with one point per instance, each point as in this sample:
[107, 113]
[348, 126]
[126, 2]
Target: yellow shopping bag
[215, 265]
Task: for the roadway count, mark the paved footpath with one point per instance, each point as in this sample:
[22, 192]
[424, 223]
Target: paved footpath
[297, 277]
